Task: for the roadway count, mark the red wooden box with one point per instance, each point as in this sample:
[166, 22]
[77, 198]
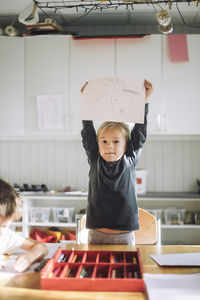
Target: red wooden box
[93, 271]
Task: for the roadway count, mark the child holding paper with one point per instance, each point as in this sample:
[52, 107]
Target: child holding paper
[112, 211]
[10, 209]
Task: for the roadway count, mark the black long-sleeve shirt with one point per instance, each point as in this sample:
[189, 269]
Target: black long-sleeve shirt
[112, 201]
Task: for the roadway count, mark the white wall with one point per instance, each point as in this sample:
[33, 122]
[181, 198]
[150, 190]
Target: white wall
[173, 162]
[173, 165]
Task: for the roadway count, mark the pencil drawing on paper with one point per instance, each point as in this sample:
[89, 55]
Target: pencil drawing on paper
[113, 99]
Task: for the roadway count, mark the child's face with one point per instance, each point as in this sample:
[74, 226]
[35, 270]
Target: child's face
[4, 223]
[112, 144]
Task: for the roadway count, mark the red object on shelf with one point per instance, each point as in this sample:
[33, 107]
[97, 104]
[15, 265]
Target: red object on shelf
[139, 36]
[42, 237]
[94, 271]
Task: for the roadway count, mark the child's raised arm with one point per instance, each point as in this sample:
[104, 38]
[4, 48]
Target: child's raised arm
[139, 131]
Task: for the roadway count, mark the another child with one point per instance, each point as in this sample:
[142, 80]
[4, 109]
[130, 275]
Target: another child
[10, 209]
[112, 211]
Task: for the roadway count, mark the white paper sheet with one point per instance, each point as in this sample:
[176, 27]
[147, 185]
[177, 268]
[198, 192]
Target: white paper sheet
[178, 259]
[8, 271]
[113, 99]
[50, 112]
[172, 286]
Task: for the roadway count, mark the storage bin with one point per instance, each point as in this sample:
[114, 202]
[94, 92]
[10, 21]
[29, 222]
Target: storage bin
[141, 181]
[40, 214]
[93, 271]
[64, 214]
[174, 216]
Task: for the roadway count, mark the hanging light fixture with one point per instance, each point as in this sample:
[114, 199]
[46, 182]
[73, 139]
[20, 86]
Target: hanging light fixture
[29, 15]
[164, 19]
[166, 29]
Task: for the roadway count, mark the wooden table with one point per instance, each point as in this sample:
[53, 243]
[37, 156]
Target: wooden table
[27, 286]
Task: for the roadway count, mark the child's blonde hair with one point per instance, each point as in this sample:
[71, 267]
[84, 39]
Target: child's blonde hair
[10, 202]
[110, 125]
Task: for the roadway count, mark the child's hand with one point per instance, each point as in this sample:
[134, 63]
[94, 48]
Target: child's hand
[22, 262]
[148, 89]
[83, 87]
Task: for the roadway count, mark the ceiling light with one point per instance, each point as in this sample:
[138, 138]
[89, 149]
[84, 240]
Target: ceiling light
[164, 19]
[165, 29]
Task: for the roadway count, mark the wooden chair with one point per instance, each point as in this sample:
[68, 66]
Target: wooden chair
[149, 232]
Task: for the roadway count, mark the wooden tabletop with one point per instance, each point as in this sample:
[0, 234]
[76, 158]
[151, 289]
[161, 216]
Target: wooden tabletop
[27, 286]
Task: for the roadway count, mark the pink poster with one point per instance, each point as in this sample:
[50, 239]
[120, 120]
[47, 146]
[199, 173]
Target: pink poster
[178, 49]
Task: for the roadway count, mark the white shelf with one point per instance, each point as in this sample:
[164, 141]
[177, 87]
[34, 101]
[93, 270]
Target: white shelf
[33, 200]
[52, 224]
[55, 197]
[168, 199]
[19, 224]
[168, 232]
[184, 226]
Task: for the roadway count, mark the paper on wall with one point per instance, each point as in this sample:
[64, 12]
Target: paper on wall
[113, 99]
[50, 112]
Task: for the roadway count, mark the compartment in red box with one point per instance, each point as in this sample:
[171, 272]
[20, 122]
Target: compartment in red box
[86, 271]
[58, 270]
[132, 271]
[64, 256]
[73, 270]
[91, 256]
[117, 257]
[104, 256]
[78, 256]
[116, 271]
[131, 257]
[102, 271]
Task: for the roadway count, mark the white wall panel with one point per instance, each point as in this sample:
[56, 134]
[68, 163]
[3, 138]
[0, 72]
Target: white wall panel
[178, 166]
[157, 167]
[33, 159]
[12, 86]
[168, 166]
[195, 164]
[187, 164]
[12, 160]
[173, 165]
[24, 161]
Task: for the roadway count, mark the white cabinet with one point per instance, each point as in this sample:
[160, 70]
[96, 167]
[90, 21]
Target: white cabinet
[59, 64]
[174, 234]
[141, 58]
[89, 58]
[181, 89]
[47, 66]
[174, 105]
[49, 202]
[12, 86]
